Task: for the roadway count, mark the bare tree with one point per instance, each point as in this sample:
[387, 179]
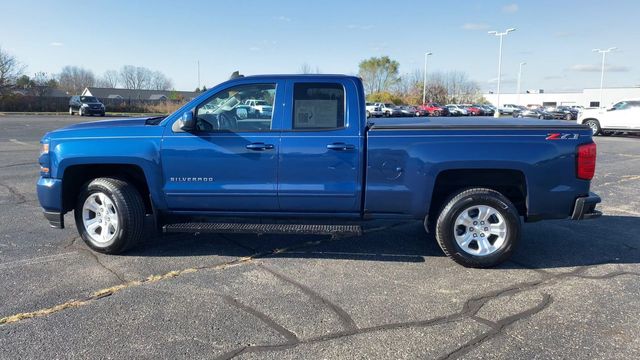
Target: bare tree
[10, 70]
[74, 79]
[109, 79]
[160, 82]
[305, 68]
[135, 77]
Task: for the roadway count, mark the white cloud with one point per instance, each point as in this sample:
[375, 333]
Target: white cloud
[475, 26]
[510, 9]
[56, 43]
[505, 80]
[283, 18]
[360, 27]
[598, 68]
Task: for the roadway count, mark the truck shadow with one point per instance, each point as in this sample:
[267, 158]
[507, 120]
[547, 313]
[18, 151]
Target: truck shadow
[550, 244]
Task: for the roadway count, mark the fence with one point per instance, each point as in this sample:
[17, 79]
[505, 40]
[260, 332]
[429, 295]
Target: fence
[19, 103]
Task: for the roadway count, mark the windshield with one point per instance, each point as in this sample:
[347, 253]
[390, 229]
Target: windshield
[88, 99]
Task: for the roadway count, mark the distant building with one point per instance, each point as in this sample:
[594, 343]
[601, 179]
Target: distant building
[129, 94]
[586, 98]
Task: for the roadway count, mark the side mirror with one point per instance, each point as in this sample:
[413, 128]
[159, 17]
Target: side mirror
[187, 122]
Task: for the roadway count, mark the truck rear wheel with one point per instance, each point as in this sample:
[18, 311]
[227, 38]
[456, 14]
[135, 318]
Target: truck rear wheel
[594, 125]
[110, 215]
[478, 228]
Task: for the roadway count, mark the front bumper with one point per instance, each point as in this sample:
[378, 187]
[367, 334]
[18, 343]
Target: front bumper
[49, 192]
[585, 207]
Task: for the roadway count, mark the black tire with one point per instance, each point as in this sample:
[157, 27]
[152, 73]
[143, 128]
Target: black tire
[445, 227]
[568, 117]
[368, 114]
[436, 113]
[541, 117]
[595, 126]
[71, 112]
[102, 114]
[130, 211]
[80, 112]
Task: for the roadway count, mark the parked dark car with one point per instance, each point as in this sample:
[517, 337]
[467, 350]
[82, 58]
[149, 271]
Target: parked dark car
[564, 112]
[488, 111]
[533, 113]
[85, 105]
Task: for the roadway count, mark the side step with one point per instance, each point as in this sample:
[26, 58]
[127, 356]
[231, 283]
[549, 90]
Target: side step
[263, 228]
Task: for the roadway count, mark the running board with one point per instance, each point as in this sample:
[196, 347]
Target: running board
[263, 228]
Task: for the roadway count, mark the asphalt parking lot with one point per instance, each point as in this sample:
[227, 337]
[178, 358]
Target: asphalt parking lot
[572, 289]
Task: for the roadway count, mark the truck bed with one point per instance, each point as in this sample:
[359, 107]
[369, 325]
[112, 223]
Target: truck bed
[476, 123]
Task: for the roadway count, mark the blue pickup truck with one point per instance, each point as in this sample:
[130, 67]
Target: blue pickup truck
[300, 147]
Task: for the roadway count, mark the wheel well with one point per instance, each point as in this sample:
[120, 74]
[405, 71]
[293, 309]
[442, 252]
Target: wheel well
[77, 176]
[510, 183]
[587, 119]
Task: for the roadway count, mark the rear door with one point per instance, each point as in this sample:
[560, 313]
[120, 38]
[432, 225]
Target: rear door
[320, 167]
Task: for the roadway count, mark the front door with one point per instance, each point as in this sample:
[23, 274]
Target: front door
[320, 150]
[229, 163]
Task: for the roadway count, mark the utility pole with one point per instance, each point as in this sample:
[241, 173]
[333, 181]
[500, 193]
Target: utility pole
[500, 35]
[604, 53]
[519, 79]
[424, 81]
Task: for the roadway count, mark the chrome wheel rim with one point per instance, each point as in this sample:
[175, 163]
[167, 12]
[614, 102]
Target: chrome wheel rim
[593, 126]
[100, 218]
[480, 230]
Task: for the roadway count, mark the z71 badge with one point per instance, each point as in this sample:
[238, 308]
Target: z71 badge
[562, 136]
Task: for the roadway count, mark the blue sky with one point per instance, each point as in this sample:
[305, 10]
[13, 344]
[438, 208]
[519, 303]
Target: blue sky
[555, 38]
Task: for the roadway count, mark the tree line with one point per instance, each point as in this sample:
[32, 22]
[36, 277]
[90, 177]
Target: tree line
[383, 83]
[74, 79]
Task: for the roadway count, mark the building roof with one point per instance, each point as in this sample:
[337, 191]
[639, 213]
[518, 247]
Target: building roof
[130, 94]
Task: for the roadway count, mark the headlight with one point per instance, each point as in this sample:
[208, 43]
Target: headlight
[85, 105]
[45, 148]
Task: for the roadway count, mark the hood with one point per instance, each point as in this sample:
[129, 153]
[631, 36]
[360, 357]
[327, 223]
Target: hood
[107, 123]
[146, 126]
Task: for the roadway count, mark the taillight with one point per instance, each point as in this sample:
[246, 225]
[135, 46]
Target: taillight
[586, 161]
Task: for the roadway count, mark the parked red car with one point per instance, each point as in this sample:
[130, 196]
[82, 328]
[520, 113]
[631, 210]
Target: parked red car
[474, 111]
[434, 109]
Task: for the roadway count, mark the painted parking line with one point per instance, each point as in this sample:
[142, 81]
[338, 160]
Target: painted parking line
[36, 260]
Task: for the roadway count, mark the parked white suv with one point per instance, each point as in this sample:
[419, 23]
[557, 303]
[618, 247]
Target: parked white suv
[508, 109]
[622, 116]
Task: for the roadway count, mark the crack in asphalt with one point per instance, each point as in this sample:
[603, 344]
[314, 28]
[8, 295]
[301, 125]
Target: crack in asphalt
[469, 311]
[95, 257]
[15, 193]
[497, 328]
[290, 336]
[19, 164]
[344, 317]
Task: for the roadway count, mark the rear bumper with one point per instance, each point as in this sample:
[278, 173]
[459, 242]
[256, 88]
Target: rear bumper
[585, 207]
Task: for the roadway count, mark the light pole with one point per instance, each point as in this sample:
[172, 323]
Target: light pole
[519, 79]
[424, 81]
[500, 35]
[604, 53]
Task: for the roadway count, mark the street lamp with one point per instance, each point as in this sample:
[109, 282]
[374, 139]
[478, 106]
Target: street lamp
[500, 35]
[519, 79]
[604, 53]
[424, 82]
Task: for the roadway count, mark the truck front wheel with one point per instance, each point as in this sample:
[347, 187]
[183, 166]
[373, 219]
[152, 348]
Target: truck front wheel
[110, 215]
[478, 228]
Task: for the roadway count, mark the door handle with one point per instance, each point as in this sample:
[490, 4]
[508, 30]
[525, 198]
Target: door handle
[259, 146]
[340, 146]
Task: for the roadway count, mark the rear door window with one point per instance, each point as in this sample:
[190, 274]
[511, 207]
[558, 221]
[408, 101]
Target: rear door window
[318, 106]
